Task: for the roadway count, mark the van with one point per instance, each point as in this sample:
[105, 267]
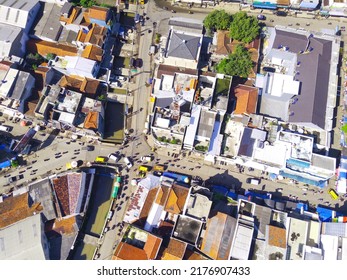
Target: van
[110, 215]
[127, 162]
[114, 157]
[4, 128]
[146, 158]
[100, 160]
[253, 181]
[333, 194]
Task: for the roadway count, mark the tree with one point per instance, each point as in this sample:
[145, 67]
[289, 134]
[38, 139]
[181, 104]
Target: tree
[244, 28]
[218, 19]
[239, 63]
[84, 3]
[50, 56]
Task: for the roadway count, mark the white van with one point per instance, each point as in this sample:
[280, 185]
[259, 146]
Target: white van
[253, 181]
[4, 128]
[114, 157]
[127, 162]
[110, 215]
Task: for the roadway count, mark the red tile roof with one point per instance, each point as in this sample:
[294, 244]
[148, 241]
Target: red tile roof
[125, 251]
[175, 250]
[91, 120]
[176, 199]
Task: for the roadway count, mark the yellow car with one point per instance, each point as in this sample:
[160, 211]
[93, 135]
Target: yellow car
[333, 194]
[100, 160]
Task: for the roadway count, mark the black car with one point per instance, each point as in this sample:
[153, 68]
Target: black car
[281, 13]
[15, 178]
[269, 69]
[89, 148]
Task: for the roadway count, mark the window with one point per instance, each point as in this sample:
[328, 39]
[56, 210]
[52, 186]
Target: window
[8, 14]
[35, 230]
[20, 236]
[17, 16]
[2, 244]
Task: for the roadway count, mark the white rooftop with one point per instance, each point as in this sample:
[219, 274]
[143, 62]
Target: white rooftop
[22, 240]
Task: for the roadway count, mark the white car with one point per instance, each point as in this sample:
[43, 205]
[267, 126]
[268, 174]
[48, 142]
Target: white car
[128, 163]
[146, 158]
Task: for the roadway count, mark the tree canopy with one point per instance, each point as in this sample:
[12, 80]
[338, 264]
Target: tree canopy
[244, 28]
[238, 63]
[218, 19]
[84, 3]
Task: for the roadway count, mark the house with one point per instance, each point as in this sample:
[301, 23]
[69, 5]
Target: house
[137, 244]
[19, 13]
[8, 80]
[69, 192]
[77, 66]
[11, 42]
[198, 206]
[335, 8]
[94, 113]
[24, 84]
[61, 235]
[21, 229]
[24, 240]
[218, 236]
[175, 250]
[246, 100]
[188, 229]
[89, 87]
[297, 236]
[47, 26]
[183, 49]
[302, 55]
[276, 240]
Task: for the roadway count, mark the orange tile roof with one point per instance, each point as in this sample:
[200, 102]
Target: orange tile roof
[247, 98]
[80, 84]
[96, 35]
[125, 251]
[162, 195]
[74, 13]
[99, 13]
[152, 246]
[14, 209]
[277, 236]
[223, 43]
[175, 250]
[65, 226]
[148, 203]
[43, 48]
[93, 52]
[194, 256]
[176, 200]
[91, 120]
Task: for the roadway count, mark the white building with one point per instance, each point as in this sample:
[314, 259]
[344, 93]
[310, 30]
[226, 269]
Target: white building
[24, 240]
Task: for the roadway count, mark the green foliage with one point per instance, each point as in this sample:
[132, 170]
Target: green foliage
[84, 3]
[344, 128]
[50, 56]
[218, 19]
[239, 63]
[157, 38]
[201, 148]
[34, 67]
[244, 28]
[175, 141]
[14, 163]
[102, 97]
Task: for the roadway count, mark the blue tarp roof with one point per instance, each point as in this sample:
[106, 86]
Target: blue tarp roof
[178, 177]
[264, 196]
[232, 195]
[308, 5]
[324, 214]
[265, 5]
[301, 205]
[300, 163]
[320, 184]
[5, 164]
[219, 189]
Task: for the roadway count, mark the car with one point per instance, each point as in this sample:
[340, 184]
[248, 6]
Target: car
[261, 17]
[15, 178]
[173, 11]
[281, 13]
[88, 148]
[253, 181]
[269, 69]
[334, 195]
[146, 158]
